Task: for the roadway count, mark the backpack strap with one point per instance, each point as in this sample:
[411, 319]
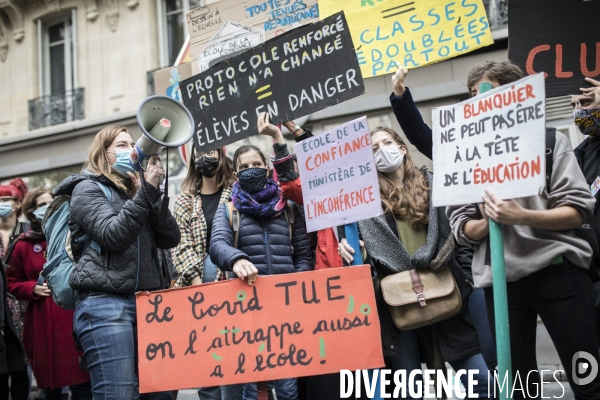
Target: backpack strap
[289, 217]
[550, 144]
[105, 190]
[234, 221]
[86, 238]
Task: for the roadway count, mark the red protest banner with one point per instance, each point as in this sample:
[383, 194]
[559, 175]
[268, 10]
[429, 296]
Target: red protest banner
[283, 326]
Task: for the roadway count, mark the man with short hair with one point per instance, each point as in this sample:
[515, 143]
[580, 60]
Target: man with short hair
[546, 264]
[586, 115]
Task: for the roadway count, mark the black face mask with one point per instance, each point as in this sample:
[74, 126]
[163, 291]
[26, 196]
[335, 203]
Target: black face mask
[207, 166]
[252, 180]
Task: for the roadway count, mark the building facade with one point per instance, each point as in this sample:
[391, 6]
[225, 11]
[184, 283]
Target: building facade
[69, 68]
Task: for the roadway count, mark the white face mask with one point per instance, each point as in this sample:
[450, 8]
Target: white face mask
[388, 158]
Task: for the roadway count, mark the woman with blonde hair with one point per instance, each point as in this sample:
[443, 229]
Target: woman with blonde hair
[208, 183]
[411, 234]
[120, 211]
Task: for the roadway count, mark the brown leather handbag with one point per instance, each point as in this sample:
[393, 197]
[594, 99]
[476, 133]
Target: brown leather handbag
[421, 297]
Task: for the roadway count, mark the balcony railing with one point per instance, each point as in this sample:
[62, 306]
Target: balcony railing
[56, 109]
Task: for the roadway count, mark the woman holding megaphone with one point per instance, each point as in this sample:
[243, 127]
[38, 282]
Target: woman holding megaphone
[120, 211]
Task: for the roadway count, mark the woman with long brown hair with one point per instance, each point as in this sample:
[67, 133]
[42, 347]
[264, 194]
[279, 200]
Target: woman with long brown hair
[208, 183]
[411, 234]
[121, 213]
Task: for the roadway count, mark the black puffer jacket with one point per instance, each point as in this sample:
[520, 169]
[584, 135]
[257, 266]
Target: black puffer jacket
[127, 230]
[264, 242]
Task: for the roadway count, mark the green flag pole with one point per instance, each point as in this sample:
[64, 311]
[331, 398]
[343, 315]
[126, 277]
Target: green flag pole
[500, 299]
[501, 310]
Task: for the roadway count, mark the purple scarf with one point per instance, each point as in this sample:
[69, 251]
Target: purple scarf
[268, 203]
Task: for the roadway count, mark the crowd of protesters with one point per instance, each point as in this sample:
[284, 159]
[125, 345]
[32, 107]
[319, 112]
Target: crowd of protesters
[232, 220]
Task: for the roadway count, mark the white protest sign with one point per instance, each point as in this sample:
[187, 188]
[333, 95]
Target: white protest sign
[231, 38]
[339, 177]
[493, 141]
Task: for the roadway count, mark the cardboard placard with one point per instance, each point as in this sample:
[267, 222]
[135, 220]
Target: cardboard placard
[227, 25]
[339, 177]
[283, 326]
[414, 33]
[166, 81]
[493, 141]
[549, 36]
[290, 76]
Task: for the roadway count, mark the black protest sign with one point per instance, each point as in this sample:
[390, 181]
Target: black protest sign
[558, 38]
[290, 76]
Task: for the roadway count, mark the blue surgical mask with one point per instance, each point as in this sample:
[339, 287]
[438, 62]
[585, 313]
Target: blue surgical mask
[6, 209]
[123, 164]
[40, 212]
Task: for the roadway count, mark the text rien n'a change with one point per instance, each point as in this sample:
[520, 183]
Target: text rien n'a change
[217, 86]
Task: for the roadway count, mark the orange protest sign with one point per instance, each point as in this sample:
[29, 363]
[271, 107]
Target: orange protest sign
[283, 326]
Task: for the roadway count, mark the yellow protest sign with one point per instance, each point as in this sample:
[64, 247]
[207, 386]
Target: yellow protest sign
[414, 33]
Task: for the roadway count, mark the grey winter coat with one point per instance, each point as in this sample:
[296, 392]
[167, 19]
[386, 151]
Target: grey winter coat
[127, 230]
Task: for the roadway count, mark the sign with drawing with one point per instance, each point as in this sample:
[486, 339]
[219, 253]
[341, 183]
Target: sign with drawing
[493, 141]
[290, 76]
[228, 26]
[231, 38]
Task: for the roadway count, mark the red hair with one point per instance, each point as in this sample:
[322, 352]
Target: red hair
[16, 189]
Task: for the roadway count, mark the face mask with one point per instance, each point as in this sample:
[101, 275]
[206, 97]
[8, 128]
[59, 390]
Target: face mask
[588, 121]
[123, 164]
[388, 158]
[252, 180]
[40, 212]
[6, 209]
[207, 166]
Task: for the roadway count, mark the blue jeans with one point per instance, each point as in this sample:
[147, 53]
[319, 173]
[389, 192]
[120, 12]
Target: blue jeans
[210, 393]
[209, 273]
[474, 362]
[410, 358]
[479, 314]
[232, 392]
[285, 389]
[105, 326]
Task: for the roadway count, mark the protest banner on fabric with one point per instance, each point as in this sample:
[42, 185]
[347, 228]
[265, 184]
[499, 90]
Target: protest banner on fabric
[228, 26]
[549, 36]
[415, 33]
[290, 76]
[283, 326]
[493, 141]
[339, 177]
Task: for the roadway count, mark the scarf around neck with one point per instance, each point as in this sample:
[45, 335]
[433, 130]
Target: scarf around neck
[384, 246]
[268, 203]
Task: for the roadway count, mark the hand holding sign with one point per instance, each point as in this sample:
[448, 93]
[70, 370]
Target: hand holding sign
[346, 251]
[398, 80]
[506, 212]
[243, 269]
[592, 91]
[268, 129]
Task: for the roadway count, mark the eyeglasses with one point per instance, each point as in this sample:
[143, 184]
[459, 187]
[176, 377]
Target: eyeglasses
[200, 154]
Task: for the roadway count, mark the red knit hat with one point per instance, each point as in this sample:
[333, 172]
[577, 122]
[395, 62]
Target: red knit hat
[15, 188]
